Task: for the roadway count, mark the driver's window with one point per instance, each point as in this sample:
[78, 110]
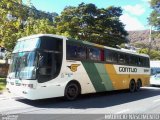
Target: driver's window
[49, 58]
[45, 59]
[46, 66]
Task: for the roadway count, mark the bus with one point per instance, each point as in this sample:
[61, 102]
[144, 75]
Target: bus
[47, 66]
[155, 73]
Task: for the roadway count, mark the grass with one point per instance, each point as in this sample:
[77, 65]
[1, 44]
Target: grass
[2, 83]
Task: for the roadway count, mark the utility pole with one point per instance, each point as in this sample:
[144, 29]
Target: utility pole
[150, 40]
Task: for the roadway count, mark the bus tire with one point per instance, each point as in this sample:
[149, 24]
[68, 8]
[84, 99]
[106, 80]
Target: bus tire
[138, 85]
[132, 86]
[72, 91]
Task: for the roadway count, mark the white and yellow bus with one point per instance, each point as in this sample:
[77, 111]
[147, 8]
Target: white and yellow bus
[46, 66]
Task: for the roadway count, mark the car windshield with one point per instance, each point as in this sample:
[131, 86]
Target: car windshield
[23, 65]
[155, 70]
[158, 75]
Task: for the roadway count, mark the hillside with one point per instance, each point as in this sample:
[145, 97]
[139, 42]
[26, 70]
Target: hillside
[140, 37]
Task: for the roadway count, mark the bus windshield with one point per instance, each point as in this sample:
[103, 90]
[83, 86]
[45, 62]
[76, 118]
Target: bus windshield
[27, 45]
[36, 59]
[23, 65]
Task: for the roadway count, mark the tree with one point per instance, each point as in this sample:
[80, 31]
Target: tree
[43, 26]
[17, 20]
[154, 54]
[89, 23]
[9, 23]
[154, 19]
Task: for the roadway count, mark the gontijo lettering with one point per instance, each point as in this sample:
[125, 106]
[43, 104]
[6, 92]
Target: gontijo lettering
[127, 69]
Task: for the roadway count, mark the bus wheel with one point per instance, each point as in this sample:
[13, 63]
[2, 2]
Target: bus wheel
[132, 86]
[138, 85]
[71, 91]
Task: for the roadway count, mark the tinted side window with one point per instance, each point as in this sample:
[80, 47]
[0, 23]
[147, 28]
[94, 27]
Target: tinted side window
[127, 59]
[94, 54]
[115, 57]
[51, 44]
[49, 58]
[108, 55]
[76, 52]
[146, 62]
[133, 60]
[49, 66]
[111, 56]
[143, 62]
[121, 58]
[140, 61]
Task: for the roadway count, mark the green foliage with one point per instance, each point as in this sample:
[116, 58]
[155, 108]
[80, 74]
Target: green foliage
[38, 26]
[154, 54]
[154, 16]
[85, 22]
[143, 50]
[17, 21]
[2, 83]
[140, 45]
[89, 23]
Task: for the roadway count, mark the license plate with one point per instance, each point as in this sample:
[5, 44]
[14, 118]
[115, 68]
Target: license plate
[17, 82]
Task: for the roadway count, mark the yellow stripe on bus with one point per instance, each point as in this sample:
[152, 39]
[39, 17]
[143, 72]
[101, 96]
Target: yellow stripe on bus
[121, 81]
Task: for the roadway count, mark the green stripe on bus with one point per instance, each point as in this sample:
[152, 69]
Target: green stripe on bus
[104, 76]
[94, 76]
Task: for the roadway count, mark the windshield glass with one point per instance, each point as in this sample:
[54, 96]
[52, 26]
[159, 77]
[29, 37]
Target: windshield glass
[37, 59]
[23, 65]
[27, 45]
[155, 70]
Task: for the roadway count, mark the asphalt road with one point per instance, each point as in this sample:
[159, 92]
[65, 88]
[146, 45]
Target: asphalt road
[146, 101]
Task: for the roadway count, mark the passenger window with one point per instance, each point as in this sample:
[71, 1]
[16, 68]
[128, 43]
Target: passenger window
[111, 56]
[121, 58]
[133, 60]
[146, 62]
[127, 59]
[114, 57]
[94, 54]
[108, 56]
[140, 61]
[76, 52]
[81, 52]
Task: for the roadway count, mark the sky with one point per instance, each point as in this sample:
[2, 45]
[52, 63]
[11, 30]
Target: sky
[135, 12]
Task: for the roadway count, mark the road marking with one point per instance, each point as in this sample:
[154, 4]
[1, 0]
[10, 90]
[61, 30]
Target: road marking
[157, 100]
[123, 111]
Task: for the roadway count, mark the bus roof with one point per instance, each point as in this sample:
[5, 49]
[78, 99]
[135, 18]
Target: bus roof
[83, 42]
[41, 35]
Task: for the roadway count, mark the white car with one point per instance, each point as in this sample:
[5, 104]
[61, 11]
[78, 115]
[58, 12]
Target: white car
[155, 79]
